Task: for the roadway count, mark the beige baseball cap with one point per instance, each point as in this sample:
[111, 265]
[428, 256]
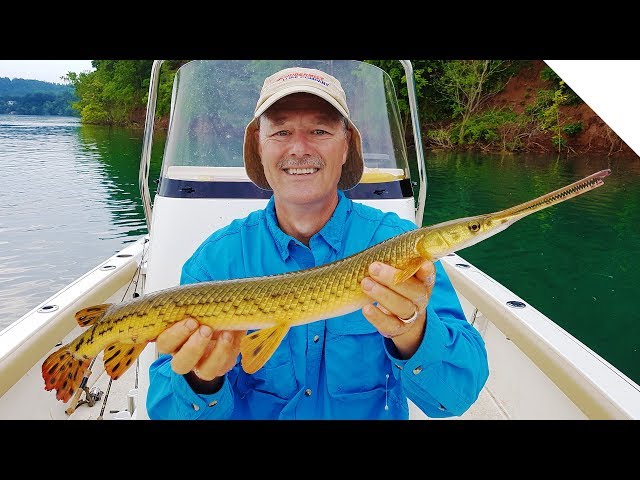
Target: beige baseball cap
[309, 80]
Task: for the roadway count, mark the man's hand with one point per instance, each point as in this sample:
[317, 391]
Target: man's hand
[397, 302]
[209, 354]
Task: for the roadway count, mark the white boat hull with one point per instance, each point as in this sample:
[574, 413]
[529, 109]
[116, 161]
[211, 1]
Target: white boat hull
[27, 342]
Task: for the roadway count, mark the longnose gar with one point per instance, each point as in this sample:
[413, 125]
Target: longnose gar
[270, 305]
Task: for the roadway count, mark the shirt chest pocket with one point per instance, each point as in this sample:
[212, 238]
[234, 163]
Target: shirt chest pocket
[355, 356]
[276, 378]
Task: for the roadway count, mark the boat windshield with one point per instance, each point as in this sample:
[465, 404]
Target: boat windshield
[213, 100]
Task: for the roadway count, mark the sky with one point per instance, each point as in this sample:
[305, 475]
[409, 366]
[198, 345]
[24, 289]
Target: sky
[45, 70]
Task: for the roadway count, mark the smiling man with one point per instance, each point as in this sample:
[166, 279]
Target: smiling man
[294, 137]
[412, 341]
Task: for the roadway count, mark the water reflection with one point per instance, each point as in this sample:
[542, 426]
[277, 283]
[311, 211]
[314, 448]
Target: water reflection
[117, 152]
[577, 262]
[69, 199]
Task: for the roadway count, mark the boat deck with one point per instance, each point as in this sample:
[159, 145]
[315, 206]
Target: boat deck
[485, 408]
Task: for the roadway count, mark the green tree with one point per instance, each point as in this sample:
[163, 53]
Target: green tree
[116, 92]
[467, 84]
[426, 74]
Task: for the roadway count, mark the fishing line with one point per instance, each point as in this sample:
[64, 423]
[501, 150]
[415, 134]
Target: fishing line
[136, 276]
[104, 402]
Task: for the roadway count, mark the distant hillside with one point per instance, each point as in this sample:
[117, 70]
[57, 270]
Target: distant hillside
[34, 97]
[20, 87]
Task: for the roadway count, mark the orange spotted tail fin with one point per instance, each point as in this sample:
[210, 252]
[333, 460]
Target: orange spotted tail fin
[64, 373]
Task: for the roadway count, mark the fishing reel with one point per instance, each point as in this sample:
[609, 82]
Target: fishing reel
[92, 395]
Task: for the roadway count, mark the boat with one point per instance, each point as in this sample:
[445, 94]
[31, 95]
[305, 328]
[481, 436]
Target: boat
[538, 370]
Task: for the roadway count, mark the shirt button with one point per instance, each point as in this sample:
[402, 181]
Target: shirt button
[307, 392]
[417, 370]
[213, 403]
[441, 407]
[316, 338]
[399, 366]
[195, 407]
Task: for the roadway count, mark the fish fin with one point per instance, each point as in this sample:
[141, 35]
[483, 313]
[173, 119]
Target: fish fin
[118, 357]
[407, 269]
[257, 347]
[88, 316]
[63, 372]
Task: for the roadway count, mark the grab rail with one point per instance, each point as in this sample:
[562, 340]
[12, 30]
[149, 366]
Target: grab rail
[145, 158]
[415, 121]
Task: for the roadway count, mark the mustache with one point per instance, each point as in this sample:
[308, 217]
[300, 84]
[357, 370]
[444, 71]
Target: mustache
[313, 162]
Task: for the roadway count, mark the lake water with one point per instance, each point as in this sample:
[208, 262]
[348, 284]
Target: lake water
[69, 198]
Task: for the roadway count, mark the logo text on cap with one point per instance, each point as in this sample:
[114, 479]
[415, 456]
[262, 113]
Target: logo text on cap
[308, 76]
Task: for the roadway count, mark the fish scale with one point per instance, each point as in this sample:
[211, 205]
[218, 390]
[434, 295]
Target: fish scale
[271, 305]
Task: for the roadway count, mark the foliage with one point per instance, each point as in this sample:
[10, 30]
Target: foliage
[34, 97]
[485, 126]
[572, 128]
[38, 104]
[544, 112]
[448, 88]
[117, 90]
[543, 100]
[466, 85]
[552, 77]
[549, 75]
[165, 86]
[19, 87]
[452, 97]
[439, 138]
[426, 73]
[558, 141]
[112, 92]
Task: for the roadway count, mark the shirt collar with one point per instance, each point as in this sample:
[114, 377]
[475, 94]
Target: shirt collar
[331, 232]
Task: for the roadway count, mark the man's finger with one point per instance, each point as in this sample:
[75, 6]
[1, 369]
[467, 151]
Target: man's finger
[386, 323]
[222, 357]
[176, 335]
[427, 273]
[412, 288]
[188, 356]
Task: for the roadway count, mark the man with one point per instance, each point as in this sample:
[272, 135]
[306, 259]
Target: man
[411, 341]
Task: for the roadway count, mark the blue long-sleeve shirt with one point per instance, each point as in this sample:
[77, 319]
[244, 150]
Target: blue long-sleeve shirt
[340, 368]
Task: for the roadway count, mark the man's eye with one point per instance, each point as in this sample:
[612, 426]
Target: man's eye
[282, 133]
[319, 132]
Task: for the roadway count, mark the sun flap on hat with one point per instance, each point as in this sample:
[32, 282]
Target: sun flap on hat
[305, 80]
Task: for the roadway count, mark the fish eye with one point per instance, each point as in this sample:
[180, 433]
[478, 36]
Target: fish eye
[474, 226]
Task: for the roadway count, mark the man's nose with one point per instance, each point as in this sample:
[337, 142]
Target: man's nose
[300, 144]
